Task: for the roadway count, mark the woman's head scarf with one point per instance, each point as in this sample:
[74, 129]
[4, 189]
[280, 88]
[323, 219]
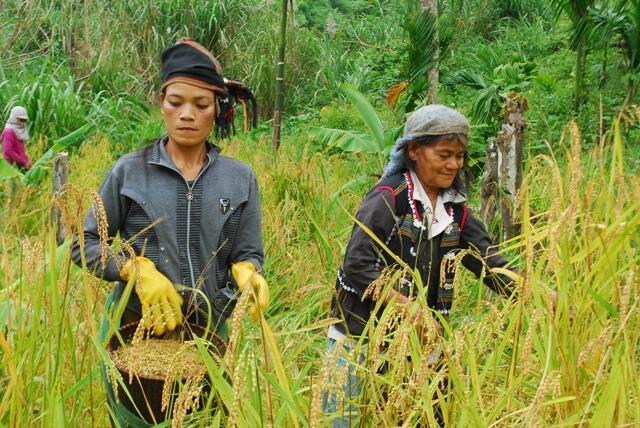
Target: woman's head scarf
[189, 62]
[18, 122]
[433, 119]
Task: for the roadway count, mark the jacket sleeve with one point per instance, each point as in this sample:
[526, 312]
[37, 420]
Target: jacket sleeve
[13, 148]
[475, 236]
[247, 245]
[363, 261]
[115, 209]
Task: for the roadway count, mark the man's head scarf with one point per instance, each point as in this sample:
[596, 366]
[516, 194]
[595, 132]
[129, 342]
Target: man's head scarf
[18, 122]
[431, 120]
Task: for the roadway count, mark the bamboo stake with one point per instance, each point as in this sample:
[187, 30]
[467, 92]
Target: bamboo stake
[277, 115]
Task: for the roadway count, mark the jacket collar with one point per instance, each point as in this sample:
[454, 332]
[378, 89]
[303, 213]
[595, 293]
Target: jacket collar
[433, 219]
[159, 156]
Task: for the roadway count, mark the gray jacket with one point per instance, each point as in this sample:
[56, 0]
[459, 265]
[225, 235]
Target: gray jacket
[193, 232]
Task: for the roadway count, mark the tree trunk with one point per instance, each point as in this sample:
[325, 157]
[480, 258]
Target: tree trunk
[581, 58]
[277, 115]
[503, 170]
[434, 74]
[60, 174]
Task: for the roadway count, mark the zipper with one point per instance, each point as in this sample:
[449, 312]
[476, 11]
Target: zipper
[189, 198]
[188, 238]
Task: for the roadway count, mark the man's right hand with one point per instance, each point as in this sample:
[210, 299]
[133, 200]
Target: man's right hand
[161, 303]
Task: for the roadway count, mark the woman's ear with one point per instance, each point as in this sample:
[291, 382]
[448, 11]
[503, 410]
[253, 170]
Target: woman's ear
[411, 150]
[162, 102]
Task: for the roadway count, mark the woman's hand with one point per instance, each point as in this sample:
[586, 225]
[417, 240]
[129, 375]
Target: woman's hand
[161, 303]
[249, 280]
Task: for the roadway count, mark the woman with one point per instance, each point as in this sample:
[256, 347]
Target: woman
[14, 137]
[418, 211]
[190, 215]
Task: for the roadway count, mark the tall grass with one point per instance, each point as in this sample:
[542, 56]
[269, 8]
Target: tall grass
[505, 363]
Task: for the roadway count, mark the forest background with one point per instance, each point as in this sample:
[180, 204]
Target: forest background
[87, 72]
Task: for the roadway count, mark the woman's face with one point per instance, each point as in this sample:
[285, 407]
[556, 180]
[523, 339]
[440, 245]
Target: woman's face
[437, 164]
[188, 112]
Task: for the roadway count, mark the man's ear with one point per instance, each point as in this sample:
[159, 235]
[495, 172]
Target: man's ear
[162, 102]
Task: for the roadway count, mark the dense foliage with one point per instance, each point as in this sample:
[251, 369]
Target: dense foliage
[353, 70]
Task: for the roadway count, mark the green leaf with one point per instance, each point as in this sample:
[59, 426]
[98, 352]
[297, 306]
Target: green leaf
[345, 140]
[367, 114]
[37, 173]
[8, 171]
[604, 303]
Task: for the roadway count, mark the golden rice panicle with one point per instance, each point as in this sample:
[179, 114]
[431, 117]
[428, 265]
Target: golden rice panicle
[326, 383]
[238, 314]
[375, 289]
[187, 400]
[33, 259]
[398, 349]
[176, 373]
[554, 218]
[72, 203]
[528, 341]
[575, 168]
[625, 290]
[103, 227]
[380, 332]
[114, 377]
[141, 331]
[239, 389]
[594, 348]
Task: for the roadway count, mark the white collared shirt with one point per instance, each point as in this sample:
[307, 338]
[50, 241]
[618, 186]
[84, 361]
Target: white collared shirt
[436, 219]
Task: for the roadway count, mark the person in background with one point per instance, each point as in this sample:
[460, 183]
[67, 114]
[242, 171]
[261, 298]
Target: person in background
[418, 210]
[190, 216]
[14, 137]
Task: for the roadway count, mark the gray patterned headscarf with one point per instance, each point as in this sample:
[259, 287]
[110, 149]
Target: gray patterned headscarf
[433, 119]
[18, 122]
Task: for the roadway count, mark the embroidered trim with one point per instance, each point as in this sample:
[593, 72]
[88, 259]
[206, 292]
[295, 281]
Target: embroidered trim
[386, 243]
[343, 285]
[417, 218]
[464, 218]
[393, 195]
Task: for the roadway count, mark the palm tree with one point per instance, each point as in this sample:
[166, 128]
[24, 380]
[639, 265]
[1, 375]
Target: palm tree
[433, 75]
[421, 55]
[577, 10]
[494, 83]
[618, 23]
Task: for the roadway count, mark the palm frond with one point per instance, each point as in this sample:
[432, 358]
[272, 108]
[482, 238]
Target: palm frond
[421, 51]
[469, 78]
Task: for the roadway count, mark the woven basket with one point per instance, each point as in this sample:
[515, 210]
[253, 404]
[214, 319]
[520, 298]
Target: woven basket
[146, 391]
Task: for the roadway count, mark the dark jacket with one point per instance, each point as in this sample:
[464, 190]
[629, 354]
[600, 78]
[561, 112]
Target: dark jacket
[390, 212]
[191, 231]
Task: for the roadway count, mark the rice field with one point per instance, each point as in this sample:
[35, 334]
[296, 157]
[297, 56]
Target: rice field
[504, 362]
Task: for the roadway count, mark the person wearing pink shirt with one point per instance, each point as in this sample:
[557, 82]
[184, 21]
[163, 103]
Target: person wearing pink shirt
[14, 137]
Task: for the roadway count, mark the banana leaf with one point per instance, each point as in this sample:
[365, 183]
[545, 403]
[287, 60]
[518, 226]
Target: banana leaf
[38, 171]
[8, 171]
[346, 141]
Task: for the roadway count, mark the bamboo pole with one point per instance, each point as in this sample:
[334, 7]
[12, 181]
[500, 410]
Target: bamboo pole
[279, 101]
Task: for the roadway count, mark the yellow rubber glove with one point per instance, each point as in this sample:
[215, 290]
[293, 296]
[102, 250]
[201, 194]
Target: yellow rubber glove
[161, 303]
[248, 279]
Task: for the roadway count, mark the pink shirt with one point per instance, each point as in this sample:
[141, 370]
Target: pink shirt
[13, 149]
